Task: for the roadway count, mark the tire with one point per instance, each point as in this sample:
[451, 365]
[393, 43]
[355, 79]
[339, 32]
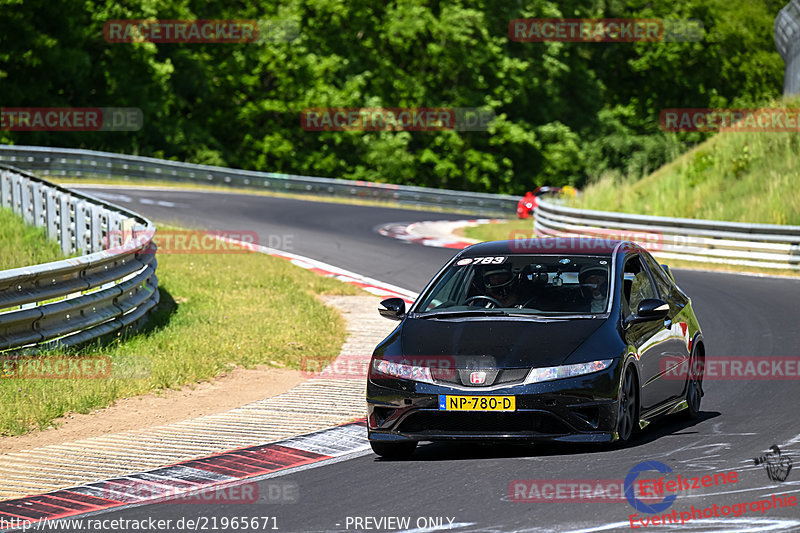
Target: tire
[393, 450]
[627, 414]
[694, 390]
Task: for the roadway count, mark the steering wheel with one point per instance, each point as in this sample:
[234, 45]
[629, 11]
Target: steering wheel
[489, 299]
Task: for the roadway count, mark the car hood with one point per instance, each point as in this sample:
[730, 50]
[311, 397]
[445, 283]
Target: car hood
[504, 343]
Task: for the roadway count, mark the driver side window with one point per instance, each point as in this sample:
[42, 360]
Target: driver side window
[636, 286]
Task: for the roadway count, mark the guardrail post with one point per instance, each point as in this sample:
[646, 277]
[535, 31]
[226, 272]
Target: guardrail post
[25, 201]
[115, 224]
[51, 215]
[82, 245]
[64, 223]
[16, 203]
[5, 188]
[96, 226]
[38, 205]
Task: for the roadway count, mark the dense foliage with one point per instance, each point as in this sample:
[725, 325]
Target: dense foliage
[566, 112]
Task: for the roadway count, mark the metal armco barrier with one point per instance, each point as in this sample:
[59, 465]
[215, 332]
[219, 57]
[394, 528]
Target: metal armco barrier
[757, 245]
[92, 164]
[109, 285]
[708, 241]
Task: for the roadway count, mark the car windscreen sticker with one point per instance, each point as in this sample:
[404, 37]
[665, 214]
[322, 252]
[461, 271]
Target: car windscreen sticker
[482, 261]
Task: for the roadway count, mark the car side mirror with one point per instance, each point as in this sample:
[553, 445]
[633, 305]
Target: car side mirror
[394, 308]
[653, 309]
[650, 309]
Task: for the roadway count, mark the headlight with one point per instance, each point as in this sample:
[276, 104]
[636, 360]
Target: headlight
[566, 371]
[414, 373]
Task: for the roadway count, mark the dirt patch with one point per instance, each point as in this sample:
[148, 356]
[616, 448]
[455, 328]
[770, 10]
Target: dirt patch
[461, 232]
[236, 388]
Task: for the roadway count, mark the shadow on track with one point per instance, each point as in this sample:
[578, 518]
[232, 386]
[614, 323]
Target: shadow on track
[461, 451]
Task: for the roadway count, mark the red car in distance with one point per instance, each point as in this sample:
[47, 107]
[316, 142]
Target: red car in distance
[529, 202]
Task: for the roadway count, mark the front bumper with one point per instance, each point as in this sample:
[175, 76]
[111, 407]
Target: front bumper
[578, 409]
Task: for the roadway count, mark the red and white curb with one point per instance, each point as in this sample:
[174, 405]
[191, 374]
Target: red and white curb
[213, 472]
[436, 233]
[51, 468]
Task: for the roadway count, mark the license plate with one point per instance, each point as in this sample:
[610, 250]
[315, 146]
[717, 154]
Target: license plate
[477, 403]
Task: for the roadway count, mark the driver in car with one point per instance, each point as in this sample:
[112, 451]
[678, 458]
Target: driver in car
[500, 284]
[594, 287]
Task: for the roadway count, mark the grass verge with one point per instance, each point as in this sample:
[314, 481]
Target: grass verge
[735, 176]
[217, 312]
[499, 231]
[23, 245]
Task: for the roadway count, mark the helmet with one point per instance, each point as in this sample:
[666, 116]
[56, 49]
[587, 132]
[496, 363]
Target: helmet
[499, 279]
[588, 271]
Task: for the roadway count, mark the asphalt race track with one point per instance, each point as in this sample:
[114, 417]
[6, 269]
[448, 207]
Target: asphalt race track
[469, 484]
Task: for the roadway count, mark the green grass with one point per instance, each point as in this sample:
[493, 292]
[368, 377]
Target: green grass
[499, 231]
[733, 176]
[218, 311]
[23, 245]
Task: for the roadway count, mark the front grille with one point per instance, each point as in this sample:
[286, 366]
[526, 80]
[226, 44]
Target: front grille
[512, 375]
[507, 376]
[440, 422]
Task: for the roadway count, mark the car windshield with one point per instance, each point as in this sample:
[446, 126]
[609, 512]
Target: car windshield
[520, 284]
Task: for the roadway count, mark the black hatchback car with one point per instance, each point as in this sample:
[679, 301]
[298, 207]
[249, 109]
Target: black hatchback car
[575, 340]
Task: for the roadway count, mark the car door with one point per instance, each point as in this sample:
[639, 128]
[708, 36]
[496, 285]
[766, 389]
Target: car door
[650, 339]
[676, 363]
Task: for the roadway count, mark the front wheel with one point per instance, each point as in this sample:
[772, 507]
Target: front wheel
[627, 418]
[393, 450]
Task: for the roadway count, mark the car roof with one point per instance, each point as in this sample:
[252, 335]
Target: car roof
[551, 245]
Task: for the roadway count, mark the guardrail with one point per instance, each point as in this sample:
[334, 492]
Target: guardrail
[757, 245]
[111, 284]
[708, 241]
[93, 164]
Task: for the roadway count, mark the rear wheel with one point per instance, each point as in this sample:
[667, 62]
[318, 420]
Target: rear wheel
[393, 450]
[628, 400]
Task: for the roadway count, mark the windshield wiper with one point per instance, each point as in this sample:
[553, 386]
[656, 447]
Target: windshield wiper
[462, 312]
[567, 317]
